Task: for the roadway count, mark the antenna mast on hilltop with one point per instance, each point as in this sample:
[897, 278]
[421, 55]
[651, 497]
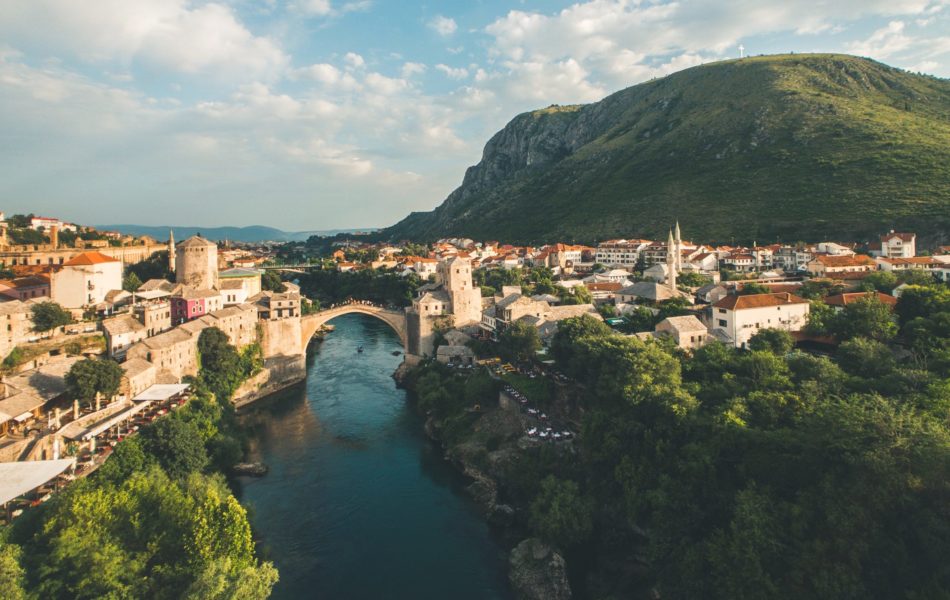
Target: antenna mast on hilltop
[741, 51]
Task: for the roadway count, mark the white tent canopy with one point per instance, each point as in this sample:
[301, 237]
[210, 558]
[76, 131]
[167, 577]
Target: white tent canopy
[161, 392]
[18, 478]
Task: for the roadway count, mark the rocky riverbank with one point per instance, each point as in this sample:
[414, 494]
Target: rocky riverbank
[488, 453]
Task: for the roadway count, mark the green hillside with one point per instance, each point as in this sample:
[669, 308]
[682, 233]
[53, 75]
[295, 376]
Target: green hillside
[790, 147]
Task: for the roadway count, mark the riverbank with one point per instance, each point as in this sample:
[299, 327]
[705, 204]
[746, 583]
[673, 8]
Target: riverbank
[482, 434]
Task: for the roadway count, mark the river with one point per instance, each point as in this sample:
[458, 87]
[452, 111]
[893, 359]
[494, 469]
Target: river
[358, 503]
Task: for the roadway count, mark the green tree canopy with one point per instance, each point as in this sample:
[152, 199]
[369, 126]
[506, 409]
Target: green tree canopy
[776, 341]
[49, 315]
[561, 514]
[271, 281]
[90, 376]
[520, 341]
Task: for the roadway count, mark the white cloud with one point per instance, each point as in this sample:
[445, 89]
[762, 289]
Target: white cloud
[452, 72]
[314, 7]
[354, 60]
[444, 26]
[413, 68]
[883, 43]
[167, 34]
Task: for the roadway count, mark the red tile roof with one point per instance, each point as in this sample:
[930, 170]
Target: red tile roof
[88, 258]
[758, 301]
[850, 298]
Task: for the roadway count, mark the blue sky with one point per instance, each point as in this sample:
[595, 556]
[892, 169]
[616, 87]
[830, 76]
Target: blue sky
[321, 114]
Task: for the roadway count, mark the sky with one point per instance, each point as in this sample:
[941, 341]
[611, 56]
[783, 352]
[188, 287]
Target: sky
[325, 114]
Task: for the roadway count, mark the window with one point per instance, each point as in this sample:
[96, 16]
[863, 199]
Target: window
[722, 311]
[722, 322]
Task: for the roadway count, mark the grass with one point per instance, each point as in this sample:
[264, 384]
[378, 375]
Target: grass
[537, 390]
[791, 147]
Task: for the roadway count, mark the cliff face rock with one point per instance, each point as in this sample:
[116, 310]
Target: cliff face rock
[537, 572]
[787, 147]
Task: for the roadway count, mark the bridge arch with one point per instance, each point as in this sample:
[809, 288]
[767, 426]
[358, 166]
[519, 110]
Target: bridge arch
[310, 324]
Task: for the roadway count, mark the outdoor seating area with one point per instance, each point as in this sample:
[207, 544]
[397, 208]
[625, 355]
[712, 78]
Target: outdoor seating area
[540, 426]
[26, 484]
[89, 441]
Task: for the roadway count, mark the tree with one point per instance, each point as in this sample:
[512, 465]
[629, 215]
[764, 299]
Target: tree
[520, 341]
[561, 514]
[153, 267]
[131, 282]
[865, 358]
[177, 446]
[691, 279]
[879, 281]
[868, 318]
[753, 288]
[49, 315]
[915, 277]
[90, 376]
[271, 282]
[221, 366]
[776, 341]
[564, 344]
[12, 575]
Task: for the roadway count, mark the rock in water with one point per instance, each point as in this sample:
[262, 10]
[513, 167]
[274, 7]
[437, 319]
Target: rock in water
[538, 572]
[256, 469]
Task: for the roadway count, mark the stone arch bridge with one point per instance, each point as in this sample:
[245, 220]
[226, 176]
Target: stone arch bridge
[310, 324]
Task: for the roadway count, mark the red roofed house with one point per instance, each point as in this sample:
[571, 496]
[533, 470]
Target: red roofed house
[737, 318]
[898, 245]
[924, 263]
[25, 288]
[85, 279]
[839, 301]
[828, 265]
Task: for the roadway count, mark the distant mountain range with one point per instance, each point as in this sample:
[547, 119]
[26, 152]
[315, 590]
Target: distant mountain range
[251, 233]
[789, 147]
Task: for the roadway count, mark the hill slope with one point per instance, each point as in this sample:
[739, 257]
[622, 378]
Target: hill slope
[251, 233]
[778, 147]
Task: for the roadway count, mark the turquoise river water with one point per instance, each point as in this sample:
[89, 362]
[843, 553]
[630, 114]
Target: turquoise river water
[358, 503]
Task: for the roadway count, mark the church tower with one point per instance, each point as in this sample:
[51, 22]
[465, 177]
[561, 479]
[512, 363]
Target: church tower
[171, 250]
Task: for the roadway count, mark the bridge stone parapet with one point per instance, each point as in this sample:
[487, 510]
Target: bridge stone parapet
[310, 324]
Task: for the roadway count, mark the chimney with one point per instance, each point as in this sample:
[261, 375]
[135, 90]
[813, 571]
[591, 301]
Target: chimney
[54, 236]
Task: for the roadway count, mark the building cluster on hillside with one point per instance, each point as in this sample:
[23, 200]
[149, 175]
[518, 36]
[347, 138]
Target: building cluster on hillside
[632, 274]
[153, 330]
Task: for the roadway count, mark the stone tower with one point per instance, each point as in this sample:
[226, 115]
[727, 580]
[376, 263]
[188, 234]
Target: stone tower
[455, 275]
[196, 263]
[171, 250]
[671, 249]
[679, 249]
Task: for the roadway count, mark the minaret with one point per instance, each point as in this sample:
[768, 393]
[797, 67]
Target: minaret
[679, 249]
[670, 264]
[171, 250]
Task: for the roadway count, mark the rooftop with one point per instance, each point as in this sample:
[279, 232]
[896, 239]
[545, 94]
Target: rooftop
[84, 259]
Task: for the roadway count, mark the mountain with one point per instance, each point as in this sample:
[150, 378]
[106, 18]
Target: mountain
[252, 233]
[788, 147]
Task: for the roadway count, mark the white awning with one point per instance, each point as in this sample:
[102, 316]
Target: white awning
[162, 392]
[115, 420]
[18, 478]
[23, 417]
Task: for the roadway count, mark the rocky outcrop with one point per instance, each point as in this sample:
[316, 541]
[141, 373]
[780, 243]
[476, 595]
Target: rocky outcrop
[538, 572]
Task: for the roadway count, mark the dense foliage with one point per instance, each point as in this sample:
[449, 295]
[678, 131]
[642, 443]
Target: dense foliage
[383, 287]
[155, 521]
[768, 473]
[49, 315]
[90, 376]
[223, 368]
[153, 267]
